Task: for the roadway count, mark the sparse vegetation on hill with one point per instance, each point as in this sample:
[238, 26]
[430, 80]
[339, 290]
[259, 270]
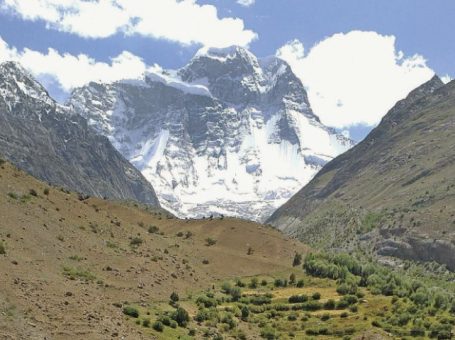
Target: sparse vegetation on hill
[71, 267]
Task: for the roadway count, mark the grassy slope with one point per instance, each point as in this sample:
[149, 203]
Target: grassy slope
[397, 184]
[67, 261]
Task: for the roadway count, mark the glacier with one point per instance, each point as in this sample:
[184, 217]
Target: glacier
[226, 134]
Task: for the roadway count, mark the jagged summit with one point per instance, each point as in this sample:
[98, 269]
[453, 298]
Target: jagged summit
[227, 133]
[16, 82]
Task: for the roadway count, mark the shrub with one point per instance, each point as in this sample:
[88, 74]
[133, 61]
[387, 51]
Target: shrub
[33, 192]
[260, 300]
[205, 261]
[235, 293]
[226, 287]
[300, 284]
[46, 191]
[292, 317]
[316, 296]
[269, 333]
[136, 241]
[146, 323]
[210, 242]
[417, 331]
[298, 298]
[2, 248]
[239, 283]
[254, 283]
[344, 315]
[153, 229]
[279, 283]
[297, 261]
[131, 311]
[325, 317]
[264, 283]
[345, 288]
[158, 326]
[181, 317]
[245, 312]
[292, 278]
[174, 297]
[330, 304]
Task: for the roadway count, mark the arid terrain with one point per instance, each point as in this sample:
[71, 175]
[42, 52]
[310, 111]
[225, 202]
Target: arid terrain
[69, 259]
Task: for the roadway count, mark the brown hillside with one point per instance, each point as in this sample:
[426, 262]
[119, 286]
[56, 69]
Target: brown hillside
[69, 260]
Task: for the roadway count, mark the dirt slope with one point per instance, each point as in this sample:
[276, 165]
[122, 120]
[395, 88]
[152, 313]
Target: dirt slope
[68, 260]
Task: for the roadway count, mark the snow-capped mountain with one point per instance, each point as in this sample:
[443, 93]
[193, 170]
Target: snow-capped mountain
[228, 133]
[56, 145]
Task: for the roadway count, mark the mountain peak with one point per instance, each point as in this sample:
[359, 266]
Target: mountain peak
[16, 80]
[426, 88]
[222, 54]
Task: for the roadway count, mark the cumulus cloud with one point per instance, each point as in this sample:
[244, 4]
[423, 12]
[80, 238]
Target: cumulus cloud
[181, 21]
[71, 71]
[446, 79]
[355, 78]
[246, 3]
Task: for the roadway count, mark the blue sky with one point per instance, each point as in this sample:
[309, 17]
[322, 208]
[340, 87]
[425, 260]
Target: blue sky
[423, 28]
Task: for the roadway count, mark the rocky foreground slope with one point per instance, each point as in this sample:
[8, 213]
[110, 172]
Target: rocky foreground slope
[228, 133]
[57, 145]
[394, 193]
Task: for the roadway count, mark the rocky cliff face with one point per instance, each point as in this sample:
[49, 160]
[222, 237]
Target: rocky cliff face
[228, 133]
[56, 145]
[393, 194]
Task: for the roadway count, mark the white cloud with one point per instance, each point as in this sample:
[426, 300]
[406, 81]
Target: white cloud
[246, 3]
[71, 71]
[355, 78]
[182, 21]
[446, 79]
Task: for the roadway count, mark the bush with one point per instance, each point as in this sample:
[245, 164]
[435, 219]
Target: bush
[146, 323]
[210, 242]
[46, 191]
[174, 297]
[280, 283]
[330, 304]
[153, 229]
[136, 241]
[269, 333]
[345, 288]
[245, 312]
[158, 326]
[131, 311]
[298, 298]
[2, 248]
[235, 293]
[325, 317]
[33, 192]
[181, 317]
[292, 279]
[264, 283]
[254, 283]
[297, 261]
[316, 296]
[300, 284]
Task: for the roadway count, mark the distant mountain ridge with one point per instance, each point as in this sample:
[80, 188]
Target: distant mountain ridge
[228, 133]
[393, 194]
[56, 145]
